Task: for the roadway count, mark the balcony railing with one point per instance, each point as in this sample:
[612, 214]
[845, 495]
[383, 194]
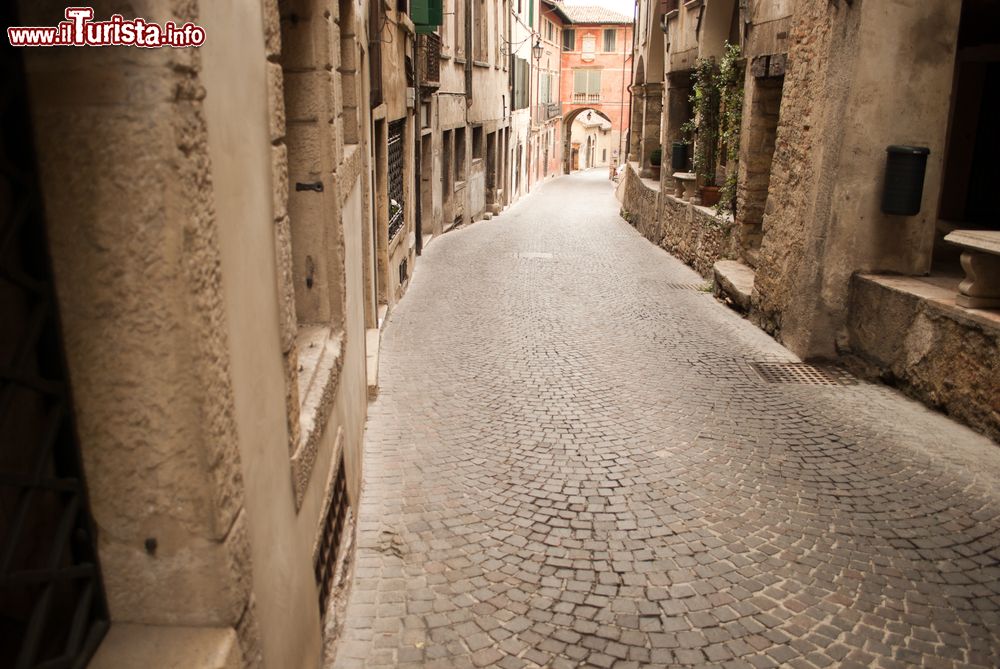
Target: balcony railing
[547, 111]
[585, 98]
[430, 60]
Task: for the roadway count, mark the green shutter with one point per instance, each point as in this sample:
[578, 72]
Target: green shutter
[418, 12]
[435, 12]
[426, 13]
[579, 81]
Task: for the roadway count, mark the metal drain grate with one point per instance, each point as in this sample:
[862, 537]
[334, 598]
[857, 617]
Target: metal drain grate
[803, 373]
[684, 286]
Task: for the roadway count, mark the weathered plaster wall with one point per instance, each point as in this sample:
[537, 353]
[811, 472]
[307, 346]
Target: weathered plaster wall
[137, 266]
[859, 78]
[942, 354]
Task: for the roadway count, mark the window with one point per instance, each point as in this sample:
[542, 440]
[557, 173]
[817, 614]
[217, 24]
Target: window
[569, 39]
[397, 204]
[447, 176]
[459, 154]
[477, 143]
[481, 36]
[459, 29]
[550, 31]
[586, 85]
[609, 39]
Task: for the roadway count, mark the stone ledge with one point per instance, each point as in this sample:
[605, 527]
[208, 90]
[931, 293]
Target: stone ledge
[908, 332]
[734, 282]
[163, 647]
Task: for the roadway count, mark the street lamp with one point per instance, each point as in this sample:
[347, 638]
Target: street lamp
[537, 50]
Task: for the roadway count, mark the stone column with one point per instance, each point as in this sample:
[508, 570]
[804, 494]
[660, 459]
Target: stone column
[652, 118]
[635, 124]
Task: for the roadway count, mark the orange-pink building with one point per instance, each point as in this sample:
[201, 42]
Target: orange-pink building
[596, 65]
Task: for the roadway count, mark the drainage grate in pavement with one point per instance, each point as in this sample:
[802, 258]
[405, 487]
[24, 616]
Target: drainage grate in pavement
[803, 373]
[684, 286]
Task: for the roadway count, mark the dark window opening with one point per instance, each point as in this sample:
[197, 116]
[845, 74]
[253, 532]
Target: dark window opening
[569, 39]
[477, 143]
[609, 39]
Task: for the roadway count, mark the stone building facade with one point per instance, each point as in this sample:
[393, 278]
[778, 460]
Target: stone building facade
[229, 227]
[465, 117]
[218, 222]
[596, 68]
[812, 251]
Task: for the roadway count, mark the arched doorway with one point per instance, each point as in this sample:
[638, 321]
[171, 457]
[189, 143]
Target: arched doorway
[592, 147]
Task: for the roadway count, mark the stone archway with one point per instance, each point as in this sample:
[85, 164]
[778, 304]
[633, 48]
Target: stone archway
[568, 120]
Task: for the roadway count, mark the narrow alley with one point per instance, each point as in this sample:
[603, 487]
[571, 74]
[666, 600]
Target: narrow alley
[578, 457]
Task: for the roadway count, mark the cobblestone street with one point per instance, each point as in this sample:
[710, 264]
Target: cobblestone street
[573, 460]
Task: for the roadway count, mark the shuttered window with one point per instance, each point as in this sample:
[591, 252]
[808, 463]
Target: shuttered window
[609, 40]
[587, 81]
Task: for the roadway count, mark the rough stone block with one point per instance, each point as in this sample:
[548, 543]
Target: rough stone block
[272, 29]
[275, 101]
[279, 179]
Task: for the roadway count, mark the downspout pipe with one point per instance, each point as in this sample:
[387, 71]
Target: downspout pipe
[468, 52]
[418, 146]
[631, 78]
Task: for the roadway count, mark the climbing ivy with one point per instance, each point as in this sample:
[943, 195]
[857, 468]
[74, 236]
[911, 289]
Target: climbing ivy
[703, 129]
[731, 120]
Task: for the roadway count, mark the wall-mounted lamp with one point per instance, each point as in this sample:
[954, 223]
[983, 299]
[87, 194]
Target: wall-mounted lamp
[537, 50]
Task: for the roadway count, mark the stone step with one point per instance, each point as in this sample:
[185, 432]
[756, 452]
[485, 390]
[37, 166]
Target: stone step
[733, 282]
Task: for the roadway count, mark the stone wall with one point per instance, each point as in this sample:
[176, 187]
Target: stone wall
[929, 348]
[694, 234]
[123, 156]
[859, 78]
[166, 180]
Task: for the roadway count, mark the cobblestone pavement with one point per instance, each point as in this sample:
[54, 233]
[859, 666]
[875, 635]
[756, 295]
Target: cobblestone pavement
[573, 463]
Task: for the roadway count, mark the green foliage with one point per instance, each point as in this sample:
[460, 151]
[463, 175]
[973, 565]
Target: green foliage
[731, 121]
[703, 129]
[656, 158]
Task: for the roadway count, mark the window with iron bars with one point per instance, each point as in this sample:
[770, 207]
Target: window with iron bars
[397, 132]
[53, 611]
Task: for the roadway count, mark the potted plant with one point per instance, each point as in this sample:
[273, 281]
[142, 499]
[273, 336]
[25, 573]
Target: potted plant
[655, 160]
[703, 129]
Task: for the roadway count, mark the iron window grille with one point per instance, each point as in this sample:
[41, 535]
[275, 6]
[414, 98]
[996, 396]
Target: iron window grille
[334, 520]
[430, 62]
[52, 605]
[397, 203]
